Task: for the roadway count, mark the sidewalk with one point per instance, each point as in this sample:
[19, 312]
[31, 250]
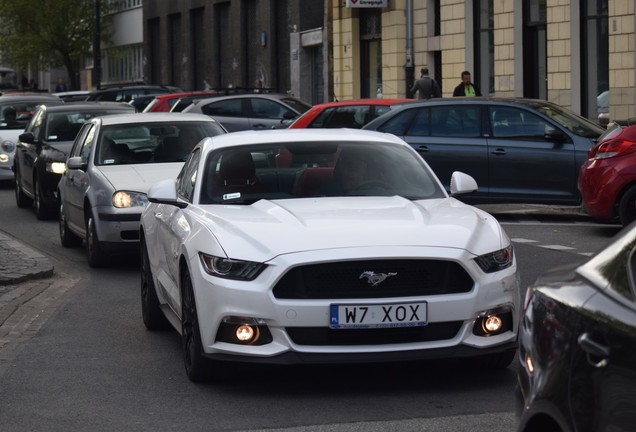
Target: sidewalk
[19, 263]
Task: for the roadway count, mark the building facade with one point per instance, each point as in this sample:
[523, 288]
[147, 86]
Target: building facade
[567, 51]
[202, 44]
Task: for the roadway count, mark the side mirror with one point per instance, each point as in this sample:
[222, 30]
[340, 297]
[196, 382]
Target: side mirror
[27, 138]
[556, 136]
[165, 192]
[288, 115]
[462, 183]
[75, 163]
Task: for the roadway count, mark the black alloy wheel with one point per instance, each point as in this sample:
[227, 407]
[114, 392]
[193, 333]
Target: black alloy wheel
[627, 206]
[150, 310]
[198, 368]
[96, 256]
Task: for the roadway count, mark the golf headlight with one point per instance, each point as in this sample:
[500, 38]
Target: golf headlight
[495, 261]
[8, 146]
[230, 268]
[56, 167]
[125, 199]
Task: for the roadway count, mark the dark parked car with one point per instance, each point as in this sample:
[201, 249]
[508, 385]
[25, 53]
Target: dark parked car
[518, 150]
[250, 111]
[128, 93]
[577, 345]
[15, 111]
[43, 147]
[607, 180]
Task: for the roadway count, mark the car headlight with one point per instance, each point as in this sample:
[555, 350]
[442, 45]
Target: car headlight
[495, 261]
[125, 199]
[8, 146]
[230, 268]
[56, 167]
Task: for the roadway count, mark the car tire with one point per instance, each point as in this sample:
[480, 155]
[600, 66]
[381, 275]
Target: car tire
[21, 199]
[198, 368]
[96, 256]
[627, 206]
[43, 210]
[150, 310]
[496, 361]
[67, 238]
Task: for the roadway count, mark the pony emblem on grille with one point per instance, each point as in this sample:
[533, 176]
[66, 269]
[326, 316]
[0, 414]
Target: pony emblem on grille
[375, 278]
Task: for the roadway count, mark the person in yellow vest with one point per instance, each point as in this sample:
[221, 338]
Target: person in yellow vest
[466, 87]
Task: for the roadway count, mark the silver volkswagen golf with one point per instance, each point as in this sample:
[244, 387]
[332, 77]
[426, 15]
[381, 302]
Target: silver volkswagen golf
[113, 162]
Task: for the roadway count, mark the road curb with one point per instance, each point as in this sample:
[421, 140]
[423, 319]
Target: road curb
[19, 263]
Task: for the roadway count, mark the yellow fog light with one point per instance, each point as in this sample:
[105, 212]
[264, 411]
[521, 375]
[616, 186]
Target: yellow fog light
[492, 324]
[4, 158]
[245, 333]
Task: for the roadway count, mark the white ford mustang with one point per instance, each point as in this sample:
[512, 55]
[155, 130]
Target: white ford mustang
[305, 246]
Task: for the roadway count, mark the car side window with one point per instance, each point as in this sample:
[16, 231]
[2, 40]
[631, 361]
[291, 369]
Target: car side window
[456, 121]
[36, 124]
[346, 117]
[267, 109]
[398, 124]
[509, 122]
[227, 108]
[87, 145]
[321, 118]
[420, 126]
[188, 176]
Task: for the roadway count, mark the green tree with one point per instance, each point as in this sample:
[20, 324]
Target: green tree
[53, 33]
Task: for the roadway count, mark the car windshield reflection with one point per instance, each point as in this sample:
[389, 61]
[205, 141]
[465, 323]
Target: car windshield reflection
[142, 143]
[247, 174]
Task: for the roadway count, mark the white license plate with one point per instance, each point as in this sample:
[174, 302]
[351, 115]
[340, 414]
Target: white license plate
[375, 316]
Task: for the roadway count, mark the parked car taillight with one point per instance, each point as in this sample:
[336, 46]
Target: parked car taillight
[611, 148]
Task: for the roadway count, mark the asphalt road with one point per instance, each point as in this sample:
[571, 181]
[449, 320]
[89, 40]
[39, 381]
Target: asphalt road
[87, 363]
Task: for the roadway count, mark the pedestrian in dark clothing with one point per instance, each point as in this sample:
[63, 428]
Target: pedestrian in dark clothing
[466, 87]
[61, 86]
[427, 86]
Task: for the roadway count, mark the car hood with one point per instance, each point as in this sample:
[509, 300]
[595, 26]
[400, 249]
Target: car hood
[266, 229]
[139, 178]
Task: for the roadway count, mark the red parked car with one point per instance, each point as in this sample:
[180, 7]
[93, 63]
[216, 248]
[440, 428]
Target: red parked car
[607, 179]
[167, 102]
[347, 114]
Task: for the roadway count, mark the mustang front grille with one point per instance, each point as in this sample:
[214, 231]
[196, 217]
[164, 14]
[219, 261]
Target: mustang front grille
[373, 279]
[376, 336]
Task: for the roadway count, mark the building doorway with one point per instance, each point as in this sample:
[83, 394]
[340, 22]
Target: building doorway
[370, 53]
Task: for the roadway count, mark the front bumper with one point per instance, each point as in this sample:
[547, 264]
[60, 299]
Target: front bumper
[118, 229]
[6, 166]
[217, 299]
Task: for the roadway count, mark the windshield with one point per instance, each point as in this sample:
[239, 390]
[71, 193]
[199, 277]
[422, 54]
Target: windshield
[151, 143]
[297, 104]
[16, 115]
[571, 121]
[243, 175]
[65, 126]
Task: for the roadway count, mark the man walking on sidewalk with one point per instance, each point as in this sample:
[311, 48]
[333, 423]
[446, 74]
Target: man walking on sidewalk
[427, 86]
